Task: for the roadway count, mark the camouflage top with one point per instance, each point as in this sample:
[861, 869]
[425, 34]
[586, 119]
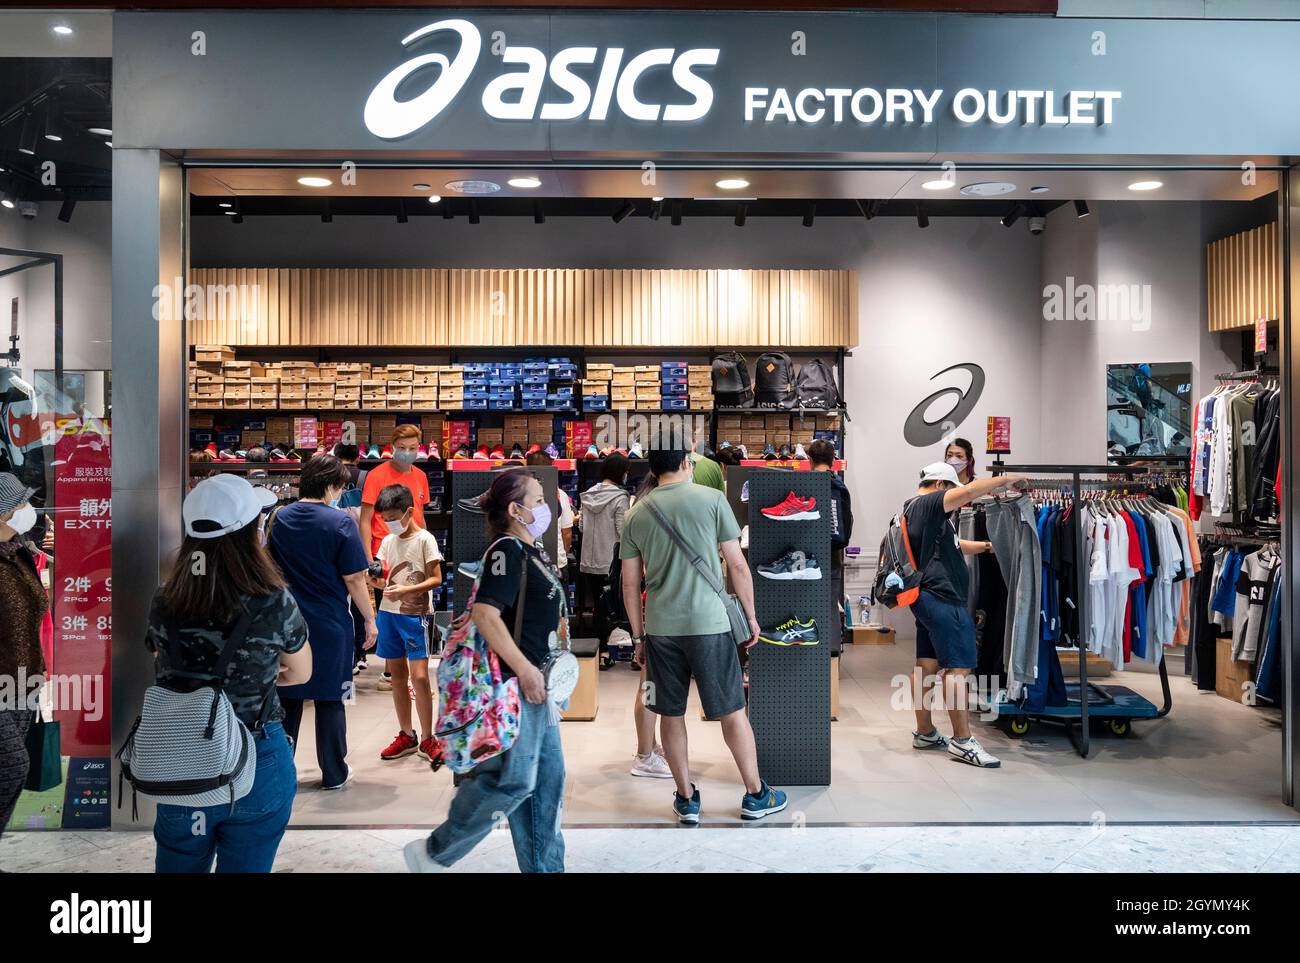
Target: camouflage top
[277, 626]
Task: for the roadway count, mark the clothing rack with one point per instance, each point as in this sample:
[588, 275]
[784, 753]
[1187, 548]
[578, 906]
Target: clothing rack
[1089, 693]
[1254, 374]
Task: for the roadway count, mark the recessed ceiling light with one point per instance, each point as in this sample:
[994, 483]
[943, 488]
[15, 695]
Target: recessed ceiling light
[1146, 185]
[62, 29]
[7, 202]
[657, 200]
[733, 184]
[939, 185]
[225, 204]
[1039, 189]
[100, 131]
[434, 198]
[524, 183]
[315, 181]
[473, 187]
[421, 187]
[988, 189]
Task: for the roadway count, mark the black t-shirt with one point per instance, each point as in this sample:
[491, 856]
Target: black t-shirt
[933, 534]
[543, 600]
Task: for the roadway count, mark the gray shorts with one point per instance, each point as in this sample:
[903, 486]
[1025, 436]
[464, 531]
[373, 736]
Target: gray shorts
[671, 662]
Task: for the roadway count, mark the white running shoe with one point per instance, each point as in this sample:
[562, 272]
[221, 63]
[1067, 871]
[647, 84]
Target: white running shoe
[652, 765]
[972, 753]
[385, 683]
[934, 740]
[418, 860]
[346, 779]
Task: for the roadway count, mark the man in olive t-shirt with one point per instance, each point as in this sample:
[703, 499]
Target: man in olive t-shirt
[685, 633]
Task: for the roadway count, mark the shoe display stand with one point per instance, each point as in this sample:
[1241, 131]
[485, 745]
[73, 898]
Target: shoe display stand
[790, 686]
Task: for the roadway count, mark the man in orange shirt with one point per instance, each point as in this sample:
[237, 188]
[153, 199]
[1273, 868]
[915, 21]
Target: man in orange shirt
[399, 470]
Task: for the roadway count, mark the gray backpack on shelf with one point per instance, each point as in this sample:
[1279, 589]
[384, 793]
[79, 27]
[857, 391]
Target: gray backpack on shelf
[815, 386]
[189, 748]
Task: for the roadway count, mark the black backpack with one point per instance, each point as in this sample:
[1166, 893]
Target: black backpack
[815, 386]
[774, 381]
[731, 385]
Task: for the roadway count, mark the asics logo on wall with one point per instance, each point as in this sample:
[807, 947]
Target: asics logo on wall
[614, 84]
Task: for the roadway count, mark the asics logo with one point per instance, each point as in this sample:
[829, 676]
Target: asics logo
[517, 95]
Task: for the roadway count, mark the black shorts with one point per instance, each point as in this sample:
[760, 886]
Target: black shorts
[712, 660]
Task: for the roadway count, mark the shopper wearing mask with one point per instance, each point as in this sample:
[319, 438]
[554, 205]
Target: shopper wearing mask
[564, 543]
[961, 457]
[24, 603]
[198, 607]
[526, 783]
[319, 551]
[945, 631]
[398, 470]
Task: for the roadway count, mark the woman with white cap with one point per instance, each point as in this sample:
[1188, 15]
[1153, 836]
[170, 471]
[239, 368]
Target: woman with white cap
[220, 574]
[24, 603]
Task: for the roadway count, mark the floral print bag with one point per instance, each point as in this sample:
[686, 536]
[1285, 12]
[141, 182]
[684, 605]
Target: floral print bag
[478, 713]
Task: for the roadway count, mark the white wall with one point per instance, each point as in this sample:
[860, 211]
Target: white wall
[962, 290]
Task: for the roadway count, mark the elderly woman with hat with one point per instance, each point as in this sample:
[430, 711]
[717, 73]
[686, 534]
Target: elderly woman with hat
[24, 603]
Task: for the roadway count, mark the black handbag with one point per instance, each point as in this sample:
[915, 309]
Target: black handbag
[46, 765]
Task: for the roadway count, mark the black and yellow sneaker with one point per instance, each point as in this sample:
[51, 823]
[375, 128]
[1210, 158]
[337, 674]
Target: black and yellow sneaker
[791, 632]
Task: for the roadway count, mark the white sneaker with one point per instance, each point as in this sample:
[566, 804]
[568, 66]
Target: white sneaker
[418, 860]
[652, 765]
[933, 740]
[972, 753]
[385, 683]
[346, 779]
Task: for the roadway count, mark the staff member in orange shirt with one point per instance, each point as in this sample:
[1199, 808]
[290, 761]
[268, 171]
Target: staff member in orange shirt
[399, 470]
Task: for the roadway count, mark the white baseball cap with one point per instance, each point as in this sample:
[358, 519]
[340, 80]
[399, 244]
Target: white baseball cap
[939, 471]
[221, 504]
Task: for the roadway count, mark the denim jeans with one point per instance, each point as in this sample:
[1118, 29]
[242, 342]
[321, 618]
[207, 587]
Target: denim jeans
[524, 785]
[242, 838]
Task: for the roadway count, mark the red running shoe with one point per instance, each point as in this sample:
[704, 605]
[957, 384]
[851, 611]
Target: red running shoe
[481, 453]
[793, 509]
[497, 452]
[429, 750]
[403, 745]
[387, 452]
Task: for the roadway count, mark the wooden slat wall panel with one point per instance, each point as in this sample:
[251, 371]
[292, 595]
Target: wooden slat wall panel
[1244, 278]
[499, 307]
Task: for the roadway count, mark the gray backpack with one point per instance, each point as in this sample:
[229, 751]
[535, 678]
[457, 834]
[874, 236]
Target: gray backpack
[189, 748]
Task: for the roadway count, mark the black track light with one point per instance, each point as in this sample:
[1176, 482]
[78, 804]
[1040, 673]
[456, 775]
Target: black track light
[1081, 209]
[328, 216]
[624, 212]
[809, 214]
[656, 208]
[65, 212]
[447, 215]
[401, 211]
[473, 212]
[539, 213]
[1012, 215]
[868, 210]
[742, 210]
[922, 218]
[28, 135]
[53, 127]
[237, 219]
[676, 219]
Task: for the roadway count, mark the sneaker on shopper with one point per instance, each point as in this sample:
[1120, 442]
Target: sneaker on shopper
[346, 779]
[417, 858]
[687, 810]
[765, 802]
[385, 683]
[969, 751]
[933, 739]
[652, 766]
[359, 667]
[428, 749]
[403, 745]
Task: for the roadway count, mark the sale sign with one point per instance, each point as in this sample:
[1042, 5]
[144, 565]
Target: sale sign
[998, 436]
[82, 589]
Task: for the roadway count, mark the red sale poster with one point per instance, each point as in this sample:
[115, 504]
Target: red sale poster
[82, 588]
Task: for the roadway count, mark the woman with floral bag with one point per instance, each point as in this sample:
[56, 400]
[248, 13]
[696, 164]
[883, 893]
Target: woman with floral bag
[525, 782]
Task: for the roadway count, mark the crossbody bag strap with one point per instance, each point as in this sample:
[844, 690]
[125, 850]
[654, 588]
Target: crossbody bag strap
[707, 573]
[235, 640]
[523, 594]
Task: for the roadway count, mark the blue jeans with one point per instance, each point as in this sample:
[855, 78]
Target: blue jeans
[524, 784]
[243, 839]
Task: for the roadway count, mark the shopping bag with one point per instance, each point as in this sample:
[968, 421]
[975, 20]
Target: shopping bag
[46, 769]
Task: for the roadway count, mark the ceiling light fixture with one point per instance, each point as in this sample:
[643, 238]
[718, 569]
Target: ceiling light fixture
[1039, 189]
[942, 184]
[676, 219]
[988, 189]
[868, 210]
[733, 183]
[99, 131]
[435, 198]
[922, 219]
[742, 211]
[1012, 215]
[809, 214]
[624, 212]
[231, 213]
[1146, 185]
[525, 183]
[473, 212]
[656, 208]
[656, 199]
[421, 187]
[54, 118]
[401, 211]
[7, 201]
[315, 181]
[539, 213]
[108, 144]
[62, 29]
[28, 135]
[225, 204]
[65, 211]
[1081, 209]
[237, 219]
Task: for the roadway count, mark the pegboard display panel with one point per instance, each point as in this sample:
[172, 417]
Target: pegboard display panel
[469, 530]
[789, 686]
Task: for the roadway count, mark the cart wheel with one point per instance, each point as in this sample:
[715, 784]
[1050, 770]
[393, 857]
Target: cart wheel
[1018, 725]
[1118, 727]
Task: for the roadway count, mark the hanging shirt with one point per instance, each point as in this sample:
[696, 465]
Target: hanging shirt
[1252, 595]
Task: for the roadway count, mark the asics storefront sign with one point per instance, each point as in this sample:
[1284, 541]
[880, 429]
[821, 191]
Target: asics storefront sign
[517, 94]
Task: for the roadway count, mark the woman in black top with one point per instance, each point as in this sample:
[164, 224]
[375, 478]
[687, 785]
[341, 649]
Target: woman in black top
[220, 572]
[526, 783]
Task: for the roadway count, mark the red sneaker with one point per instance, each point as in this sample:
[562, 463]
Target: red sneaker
[497, 452]
[403, 745]
[481, 454]
[386, 452]
[429, 750]
[793, 509]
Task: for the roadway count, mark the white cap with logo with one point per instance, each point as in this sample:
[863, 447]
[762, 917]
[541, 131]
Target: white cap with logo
[939, 471]
[223, 504]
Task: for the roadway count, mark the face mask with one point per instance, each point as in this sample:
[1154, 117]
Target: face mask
[540, 523]
[23, 519]
[958, 464]
[396, 527]
[406, 458]
[334, 502]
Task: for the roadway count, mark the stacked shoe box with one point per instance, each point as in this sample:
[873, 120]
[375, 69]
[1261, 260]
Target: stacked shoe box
[560, 375]
[777, 428]
[649, 392]
[451, 387]
[753, 433]
[595, 388]
[622, 387]
[476, 386]
[293, 384]
[348, 380]
[320, 386]
[699, 382]
[207, 384]
[830, 428]
[674, 389]
[505, 386]
[424, 386]
[729, 430]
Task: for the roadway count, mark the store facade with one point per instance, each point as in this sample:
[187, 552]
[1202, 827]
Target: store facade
[658, 94]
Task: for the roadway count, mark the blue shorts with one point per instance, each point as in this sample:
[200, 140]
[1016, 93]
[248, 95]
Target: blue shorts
[401, 636]
[945, 632]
